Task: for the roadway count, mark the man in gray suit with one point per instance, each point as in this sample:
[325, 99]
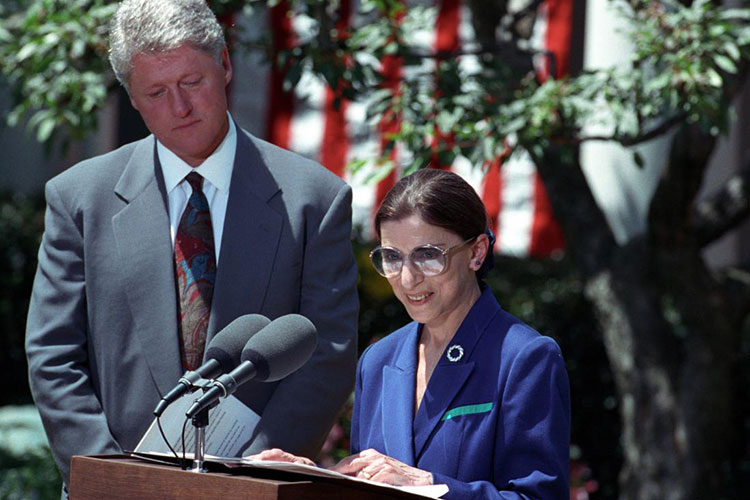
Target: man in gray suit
[104, 341]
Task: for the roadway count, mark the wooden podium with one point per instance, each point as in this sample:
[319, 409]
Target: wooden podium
[119, 477]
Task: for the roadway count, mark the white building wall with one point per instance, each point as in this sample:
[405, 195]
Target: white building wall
[623, 190]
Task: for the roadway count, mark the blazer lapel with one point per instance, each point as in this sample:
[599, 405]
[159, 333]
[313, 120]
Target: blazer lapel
[445, 383]
[450, 377]
[252, 230]
[398, 402]
[144, 248]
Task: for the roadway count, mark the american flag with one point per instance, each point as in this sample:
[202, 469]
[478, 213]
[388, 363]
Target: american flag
[306, 120]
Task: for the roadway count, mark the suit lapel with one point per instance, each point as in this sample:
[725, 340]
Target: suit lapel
[252, 230]
[449, 377]
[445, 383]
[144, 248]
[398, 401]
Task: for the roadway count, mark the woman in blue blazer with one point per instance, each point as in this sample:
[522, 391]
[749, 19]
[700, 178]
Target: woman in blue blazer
[466, 395]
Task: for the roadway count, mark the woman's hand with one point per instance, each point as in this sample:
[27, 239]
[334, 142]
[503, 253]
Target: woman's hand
[278, 455]
[373, 465]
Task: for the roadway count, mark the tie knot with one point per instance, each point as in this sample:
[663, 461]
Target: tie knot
[196, 181]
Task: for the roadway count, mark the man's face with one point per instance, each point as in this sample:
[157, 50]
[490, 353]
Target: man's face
[181, 96]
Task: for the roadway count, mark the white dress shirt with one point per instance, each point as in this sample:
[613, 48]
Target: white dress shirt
[217, 174]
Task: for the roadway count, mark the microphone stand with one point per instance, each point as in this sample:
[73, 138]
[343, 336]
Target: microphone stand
[200, 422]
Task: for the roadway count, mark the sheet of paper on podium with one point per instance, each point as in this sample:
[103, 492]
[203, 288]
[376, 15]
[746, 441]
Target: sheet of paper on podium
[230, 427]
[432, 491]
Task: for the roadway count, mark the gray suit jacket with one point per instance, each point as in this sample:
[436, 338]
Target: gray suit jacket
[102, 342]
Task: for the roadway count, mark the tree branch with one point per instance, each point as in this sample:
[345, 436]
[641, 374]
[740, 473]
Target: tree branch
[653, 133]
[724, 210]
[736, 283]
[672, 204]
[589, 237]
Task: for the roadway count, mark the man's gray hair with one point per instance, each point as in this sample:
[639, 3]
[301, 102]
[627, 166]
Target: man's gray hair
[153, 26]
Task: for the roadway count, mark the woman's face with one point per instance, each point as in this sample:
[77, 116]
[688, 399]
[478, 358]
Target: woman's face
[441, 300]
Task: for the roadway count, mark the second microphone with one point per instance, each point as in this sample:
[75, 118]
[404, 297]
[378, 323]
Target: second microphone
[274, 352]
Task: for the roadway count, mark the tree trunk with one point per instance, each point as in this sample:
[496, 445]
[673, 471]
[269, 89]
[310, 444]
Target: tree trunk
[666, 330]
[669, 347]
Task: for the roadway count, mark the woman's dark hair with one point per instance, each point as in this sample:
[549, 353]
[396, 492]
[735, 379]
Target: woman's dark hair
[441, 198]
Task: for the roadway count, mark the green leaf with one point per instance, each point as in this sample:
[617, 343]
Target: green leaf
[52, 38]
[714, 78]
[356, 165]
[725, 63]
[45, 129]
[735, 14]
[5, 35]
[380, 172]
[26, 51]
[488, 148]
[14, 117]
[445, 121]
[732, 50]
[78, 49]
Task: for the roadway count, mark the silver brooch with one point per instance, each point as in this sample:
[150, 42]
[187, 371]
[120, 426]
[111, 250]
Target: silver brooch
[455, 353]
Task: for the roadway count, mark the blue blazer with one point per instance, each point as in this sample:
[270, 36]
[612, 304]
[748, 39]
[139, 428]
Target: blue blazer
[493, 424]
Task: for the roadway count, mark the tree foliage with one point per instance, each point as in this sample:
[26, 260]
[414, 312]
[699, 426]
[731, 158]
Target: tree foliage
[53, 54]
[54, 57]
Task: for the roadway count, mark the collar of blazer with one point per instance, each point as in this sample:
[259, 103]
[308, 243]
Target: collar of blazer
[142, 168]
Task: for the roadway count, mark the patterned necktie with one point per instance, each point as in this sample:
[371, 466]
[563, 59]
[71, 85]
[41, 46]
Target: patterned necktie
[195, 263]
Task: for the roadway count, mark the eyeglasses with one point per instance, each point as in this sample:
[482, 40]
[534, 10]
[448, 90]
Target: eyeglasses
[429, 260]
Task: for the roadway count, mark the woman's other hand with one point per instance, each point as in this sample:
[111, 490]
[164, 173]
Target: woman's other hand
[278, 455]
[373, 465]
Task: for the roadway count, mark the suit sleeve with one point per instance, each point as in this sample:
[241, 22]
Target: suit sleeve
[532, 438]
[354, 445]
[57, 344]
[304, 406]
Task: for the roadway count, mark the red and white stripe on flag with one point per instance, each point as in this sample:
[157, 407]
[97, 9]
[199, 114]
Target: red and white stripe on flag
[307, 121]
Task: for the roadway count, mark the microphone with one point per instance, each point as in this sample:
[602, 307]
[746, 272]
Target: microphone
[223, 354]
[273, 353]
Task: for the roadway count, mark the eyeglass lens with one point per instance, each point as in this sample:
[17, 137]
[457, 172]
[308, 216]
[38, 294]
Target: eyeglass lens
[429, 260]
